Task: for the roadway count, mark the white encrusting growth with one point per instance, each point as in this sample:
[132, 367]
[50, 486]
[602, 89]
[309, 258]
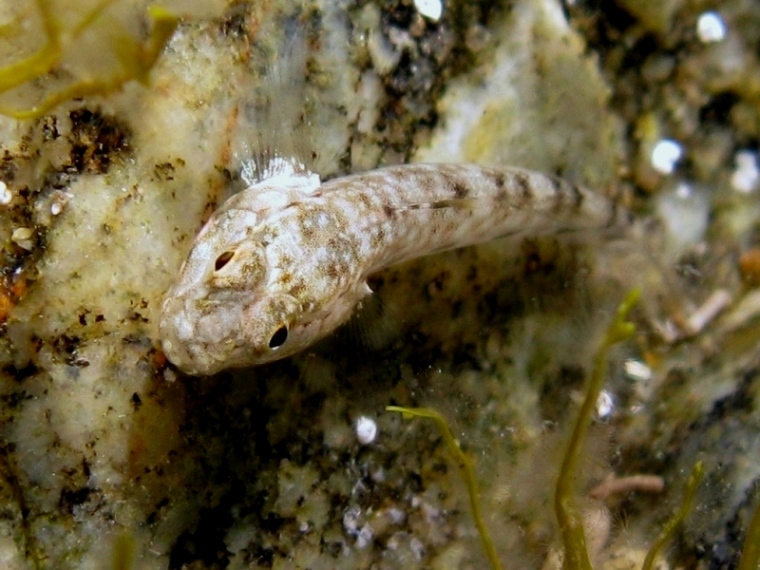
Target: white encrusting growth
[285, 262]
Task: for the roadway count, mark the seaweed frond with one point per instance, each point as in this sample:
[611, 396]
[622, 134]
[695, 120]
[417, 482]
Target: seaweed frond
[750, 559]
[136, 58]
[672, 525]
[570, 522]
[123, 554]
[465, 467]
[573, 537]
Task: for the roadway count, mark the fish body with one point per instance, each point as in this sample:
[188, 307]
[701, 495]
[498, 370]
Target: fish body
[285, 262]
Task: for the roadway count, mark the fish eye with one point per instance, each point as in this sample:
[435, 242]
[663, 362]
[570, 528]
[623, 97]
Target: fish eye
[279, 337]
[223, 260]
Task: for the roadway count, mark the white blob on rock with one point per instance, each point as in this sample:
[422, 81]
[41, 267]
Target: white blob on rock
[605, 404]
[636, 370]
[711, 28]
[685, 210]
[430, 8]
[5, 194]
[746, 175]
[366, 430]
[665, 154]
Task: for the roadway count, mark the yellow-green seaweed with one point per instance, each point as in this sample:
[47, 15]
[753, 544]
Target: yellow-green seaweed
[465, 467]
[570, 522]
[123, 554]
[750, 559]
[672, 525]
[136, 59]
[573, 536]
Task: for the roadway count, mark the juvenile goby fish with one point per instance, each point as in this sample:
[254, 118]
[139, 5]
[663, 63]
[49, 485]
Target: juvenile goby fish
[283, 263]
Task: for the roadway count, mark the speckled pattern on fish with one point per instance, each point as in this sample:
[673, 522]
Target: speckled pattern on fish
[285, 262]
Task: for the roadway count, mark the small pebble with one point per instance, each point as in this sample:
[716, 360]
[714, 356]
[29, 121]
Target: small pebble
[605, 404]
[746, 174]
[665, 155]
[637, 370]
[711, 28]
[22, 237]
[169, 375]
[431, 9]
[5, 194]
[366, 430]
[58, 201]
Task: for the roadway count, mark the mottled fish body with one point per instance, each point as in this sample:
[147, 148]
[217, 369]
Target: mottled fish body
[285, 262]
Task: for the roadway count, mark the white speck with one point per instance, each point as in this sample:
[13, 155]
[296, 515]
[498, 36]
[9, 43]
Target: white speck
[746, 176]
[59, 199]
[665, 155]
[430, 8]
[5, 194]
[605, 403]
[366, 430]
[711, 28]
[637, 370]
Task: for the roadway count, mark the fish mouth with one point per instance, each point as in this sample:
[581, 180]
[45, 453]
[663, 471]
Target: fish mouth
[200, 341]
[175, 333]
[178, 357]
